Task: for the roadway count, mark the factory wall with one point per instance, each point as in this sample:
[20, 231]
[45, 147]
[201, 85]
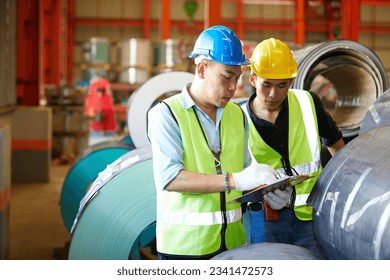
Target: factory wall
[269, 14]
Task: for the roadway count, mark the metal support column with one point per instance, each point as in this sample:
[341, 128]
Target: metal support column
[28, 52]
[240, 19]
[146, 27]
[165, 19]
[300, 22]
[70, 40]
[212, 13]
[350, 14]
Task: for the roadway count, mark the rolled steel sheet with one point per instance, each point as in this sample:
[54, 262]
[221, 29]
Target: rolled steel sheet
[140, 101]
[84, 171]
[346, 75]
[96, 50]
[351, 199]
[135, 60]
[118, 211]
[135, 53]
[134, 75]
[378, 114]
[267, 251]
[172, 53]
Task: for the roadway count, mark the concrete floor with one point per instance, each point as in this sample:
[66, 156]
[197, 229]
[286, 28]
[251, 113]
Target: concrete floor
[37, 231]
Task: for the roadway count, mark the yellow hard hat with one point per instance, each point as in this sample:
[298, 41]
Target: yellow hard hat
[273, 59]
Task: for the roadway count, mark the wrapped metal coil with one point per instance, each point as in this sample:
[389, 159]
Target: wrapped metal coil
[267, 251]
[158, 87]
[96, 50]
[135, 60]
[346, 75]
[351, 199]
[378, 114]
[172, 54]
[84, 171]
[117, 215]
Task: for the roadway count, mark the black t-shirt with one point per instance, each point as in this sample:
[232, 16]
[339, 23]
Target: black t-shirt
[276, 135]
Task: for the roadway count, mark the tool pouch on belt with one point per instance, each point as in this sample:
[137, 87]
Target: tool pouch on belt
[256, 214]
[270, 214]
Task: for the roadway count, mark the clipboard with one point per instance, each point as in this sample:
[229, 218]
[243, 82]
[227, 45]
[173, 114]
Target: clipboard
[257, 194]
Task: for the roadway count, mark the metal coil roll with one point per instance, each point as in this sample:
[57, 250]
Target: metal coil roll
[118, 213]
[135, 60]
[351, 200]
[84, 171]
[378, 114]
[267, 251]
[346, 75]
[158, 87]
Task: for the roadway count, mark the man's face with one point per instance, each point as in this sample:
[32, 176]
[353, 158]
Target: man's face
[271, 93]
[221, 81]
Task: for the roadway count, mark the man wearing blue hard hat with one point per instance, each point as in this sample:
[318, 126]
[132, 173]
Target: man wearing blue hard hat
[201, 159]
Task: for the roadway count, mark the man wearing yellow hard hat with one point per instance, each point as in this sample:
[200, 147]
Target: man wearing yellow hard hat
[287, 128]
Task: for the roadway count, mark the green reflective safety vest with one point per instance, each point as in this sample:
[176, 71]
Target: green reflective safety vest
[303, 148]
[199, 224]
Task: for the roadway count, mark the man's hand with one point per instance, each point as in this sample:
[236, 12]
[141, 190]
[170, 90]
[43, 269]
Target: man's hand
[254, 175]
[278, 198]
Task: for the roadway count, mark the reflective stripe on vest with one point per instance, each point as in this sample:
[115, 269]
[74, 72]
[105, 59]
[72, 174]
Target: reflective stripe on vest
[305, 168]
[311, 128]
[301, 199]
[199, 219]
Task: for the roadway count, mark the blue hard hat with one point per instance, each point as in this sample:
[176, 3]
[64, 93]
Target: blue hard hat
[220, 44]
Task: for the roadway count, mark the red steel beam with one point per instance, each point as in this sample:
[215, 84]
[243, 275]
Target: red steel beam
[300, 22]
[350, 13]
[70, 40]
[108, 22]
[374, 28]
[240, 19]
[375, 2]
[56, 37]
[355, 11]
[132, 23]
[213, 13]
[165, 19]
[261, 24]
[45, 45]
[27, 83]
[146, 20]
[52, 42]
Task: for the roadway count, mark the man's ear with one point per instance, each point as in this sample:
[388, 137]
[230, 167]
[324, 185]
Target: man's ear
[252, 79]
[201, 68]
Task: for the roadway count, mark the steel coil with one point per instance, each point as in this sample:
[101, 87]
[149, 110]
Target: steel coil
[267, 251]
[378, 114]
[140, 101]
[84, 171]
[351, 199]
[346, 75]
[118, 213]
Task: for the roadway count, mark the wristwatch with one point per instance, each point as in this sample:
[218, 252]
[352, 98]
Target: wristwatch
[226, 182]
